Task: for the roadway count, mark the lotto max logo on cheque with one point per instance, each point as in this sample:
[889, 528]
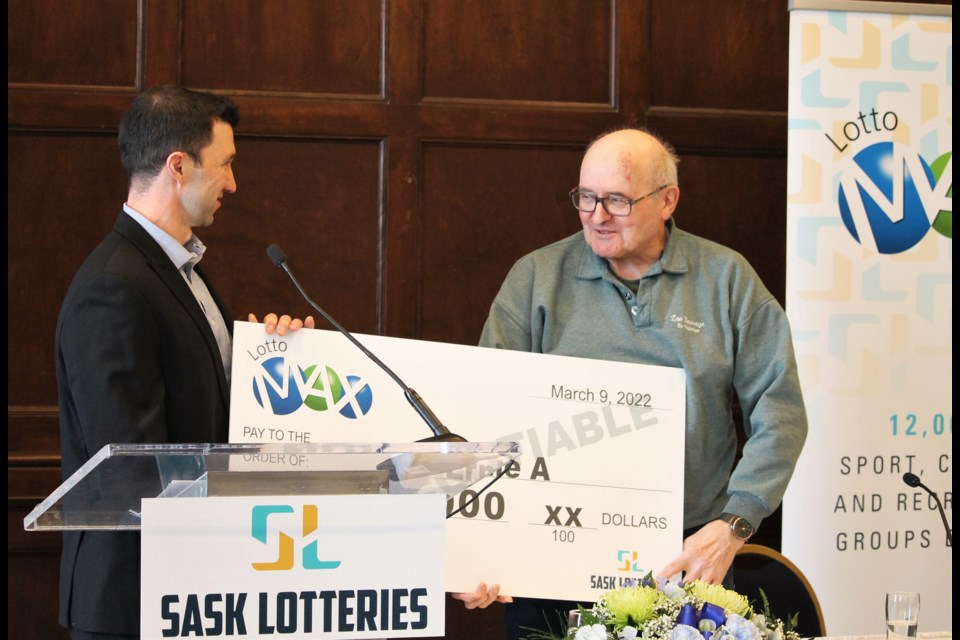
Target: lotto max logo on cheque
[283, 387]
[891, 197]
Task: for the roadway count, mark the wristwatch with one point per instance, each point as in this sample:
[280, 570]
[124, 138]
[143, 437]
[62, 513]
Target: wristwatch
[740, 527]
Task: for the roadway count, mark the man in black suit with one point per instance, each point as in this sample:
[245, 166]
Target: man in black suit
[143, 341]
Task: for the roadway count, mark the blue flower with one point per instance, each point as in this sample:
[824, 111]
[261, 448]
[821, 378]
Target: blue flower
[739, 628]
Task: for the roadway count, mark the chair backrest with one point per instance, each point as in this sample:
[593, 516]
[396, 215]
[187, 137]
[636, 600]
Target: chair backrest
[788, 591]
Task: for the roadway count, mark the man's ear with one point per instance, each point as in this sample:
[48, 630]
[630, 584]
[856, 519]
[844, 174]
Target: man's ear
[175, 165]
[671, 196]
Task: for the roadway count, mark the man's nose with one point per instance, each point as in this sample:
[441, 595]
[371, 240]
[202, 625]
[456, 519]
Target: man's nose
[600, 214]
[231, 186]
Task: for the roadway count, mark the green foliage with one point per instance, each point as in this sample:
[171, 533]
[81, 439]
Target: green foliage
[539, 634]
[766, 605]
[790, 624]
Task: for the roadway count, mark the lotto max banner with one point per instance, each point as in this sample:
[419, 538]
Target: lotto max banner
[584, 426]
[365, 566]
[870, 300]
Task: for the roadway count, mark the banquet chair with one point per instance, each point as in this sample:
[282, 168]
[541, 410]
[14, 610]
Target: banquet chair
[788, 591]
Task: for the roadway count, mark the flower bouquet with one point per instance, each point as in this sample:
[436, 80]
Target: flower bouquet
[671, 611]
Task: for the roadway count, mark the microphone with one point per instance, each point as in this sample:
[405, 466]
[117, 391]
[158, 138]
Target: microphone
[440, 432]
[914, 481]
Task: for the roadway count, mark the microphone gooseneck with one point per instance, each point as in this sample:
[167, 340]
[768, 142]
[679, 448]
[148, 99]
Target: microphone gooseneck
[914, 481]
[440, 432]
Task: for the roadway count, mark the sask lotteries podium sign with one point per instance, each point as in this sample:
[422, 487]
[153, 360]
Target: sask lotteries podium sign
[351, 566]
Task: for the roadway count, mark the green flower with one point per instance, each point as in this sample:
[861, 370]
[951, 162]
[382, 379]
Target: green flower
[731, 601]
[632, 605]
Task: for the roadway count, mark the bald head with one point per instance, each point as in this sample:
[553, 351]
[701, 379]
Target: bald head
[641, 158]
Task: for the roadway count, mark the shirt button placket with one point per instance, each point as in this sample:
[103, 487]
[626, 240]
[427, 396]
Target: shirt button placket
[639, 310]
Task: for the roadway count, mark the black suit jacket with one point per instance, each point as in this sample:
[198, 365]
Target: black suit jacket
[136, 362]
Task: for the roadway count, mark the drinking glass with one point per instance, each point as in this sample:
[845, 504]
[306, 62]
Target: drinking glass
[903, 613]
[573, 621]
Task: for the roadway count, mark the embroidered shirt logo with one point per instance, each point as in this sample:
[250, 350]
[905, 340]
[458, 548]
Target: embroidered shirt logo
[683, 322]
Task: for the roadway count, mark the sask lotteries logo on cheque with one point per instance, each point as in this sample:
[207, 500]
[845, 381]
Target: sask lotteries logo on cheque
[891, 197]
[283, 388]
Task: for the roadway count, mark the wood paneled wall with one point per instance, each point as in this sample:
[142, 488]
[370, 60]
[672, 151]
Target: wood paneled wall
[403, 153]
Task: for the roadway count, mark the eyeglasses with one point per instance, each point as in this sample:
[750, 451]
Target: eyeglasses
[613, 204]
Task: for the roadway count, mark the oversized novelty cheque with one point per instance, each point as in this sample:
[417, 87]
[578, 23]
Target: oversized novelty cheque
[598, 495]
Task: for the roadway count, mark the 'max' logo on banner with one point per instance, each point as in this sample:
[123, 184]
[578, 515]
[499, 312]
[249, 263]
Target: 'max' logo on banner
[890, 197]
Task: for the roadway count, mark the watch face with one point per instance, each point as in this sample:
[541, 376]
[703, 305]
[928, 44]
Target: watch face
[742, 528]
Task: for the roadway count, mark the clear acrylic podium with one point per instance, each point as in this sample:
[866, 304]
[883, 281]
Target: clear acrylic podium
[105, 493]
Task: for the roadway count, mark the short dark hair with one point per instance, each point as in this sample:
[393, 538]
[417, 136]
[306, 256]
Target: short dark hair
[165, 119]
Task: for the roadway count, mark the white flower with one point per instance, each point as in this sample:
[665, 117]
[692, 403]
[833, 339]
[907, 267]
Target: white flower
[593, 632]
[673, 591]
[628, 633]
[685, 632]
